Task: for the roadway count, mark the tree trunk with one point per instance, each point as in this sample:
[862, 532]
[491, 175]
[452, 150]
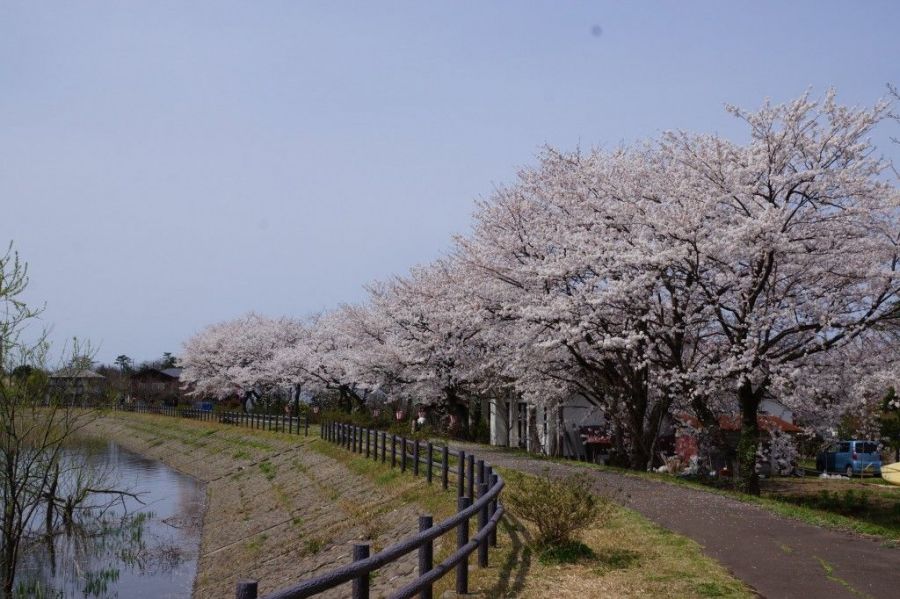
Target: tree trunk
[460, 410]
[8, 558]
[637, 456]
[746, 479]
[559, 446]
[10, 531]
[711, 438]
[534, 442]
[51, 499]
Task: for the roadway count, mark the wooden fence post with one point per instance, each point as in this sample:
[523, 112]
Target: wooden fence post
[445, 467]
[493, 503]
[461, 474]
[470, 464]
[403, 455]
[246, 589]
[426, 555]
[482, 522]
[361, 584]
[368, 442]
[462, 539]
[415, 457]
[393, 450]
[383, 447]
[430, 466]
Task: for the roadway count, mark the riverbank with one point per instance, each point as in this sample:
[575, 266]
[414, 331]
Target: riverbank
[281, 508]
[275, 510]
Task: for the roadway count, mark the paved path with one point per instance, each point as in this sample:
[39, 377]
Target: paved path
[777, 556]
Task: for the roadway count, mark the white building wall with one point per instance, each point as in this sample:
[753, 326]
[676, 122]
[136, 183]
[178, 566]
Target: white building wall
[499, 411]
[774, 408]
[556, 429]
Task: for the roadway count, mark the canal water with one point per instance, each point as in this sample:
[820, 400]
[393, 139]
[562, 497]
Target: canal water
[136, 548]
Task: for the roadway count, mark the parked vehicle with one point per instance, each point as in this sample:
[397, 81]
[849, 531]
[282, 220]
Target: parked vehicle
[850, 457]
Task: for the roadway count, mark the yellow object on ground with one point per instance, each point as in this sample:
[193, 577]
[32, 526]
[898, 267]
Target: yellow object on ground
[891, 473]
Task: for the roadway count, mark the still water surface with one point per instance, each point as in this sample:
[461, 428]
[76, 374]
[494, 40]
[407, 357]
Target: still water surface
[131, 551]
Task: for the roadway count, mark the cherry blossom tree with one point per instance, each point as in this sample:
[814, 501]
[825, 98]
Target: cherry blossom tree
[431, 339]
[236, 357]
[795, 238]
[696, 269]
[575, 260]
[688, 273]
[328, 357]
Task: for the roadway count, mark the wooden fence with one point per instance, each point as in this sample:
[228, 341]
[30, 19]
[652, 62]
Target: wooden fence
[476, 485]
[279, 424]
[477, 488]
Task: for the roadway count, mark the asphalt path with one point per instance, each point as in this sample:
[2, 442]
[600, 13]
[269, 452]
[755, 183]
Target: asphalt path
[776, 556]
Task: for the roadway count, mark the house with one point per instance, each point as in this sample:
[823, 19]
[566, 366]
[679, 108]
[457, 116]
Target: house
[688, 427]
[156, 386]
[568, 430]
[78, 385]
[578, 428]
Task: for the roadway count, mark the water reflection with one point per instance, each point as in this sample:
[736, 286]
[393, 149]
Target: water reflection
[136, 547]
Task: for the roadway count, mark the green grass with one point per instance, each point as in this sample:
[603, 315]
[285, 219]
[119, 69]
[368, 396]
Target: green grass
[830, 575]
[313, 545]
[568, 553]
[870, 510]
[256, 543]
[823, 518]
[268, 469]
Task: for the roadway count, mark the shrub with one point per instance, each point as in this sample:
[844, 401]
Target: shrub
[567, 553]
[559, 509]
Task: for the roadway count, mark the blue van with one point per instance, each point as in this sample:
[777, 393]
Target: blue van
[850, 457]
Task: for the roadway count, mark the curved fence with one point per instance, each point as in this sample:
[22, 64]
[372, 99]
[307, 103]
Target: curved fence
[476, 485]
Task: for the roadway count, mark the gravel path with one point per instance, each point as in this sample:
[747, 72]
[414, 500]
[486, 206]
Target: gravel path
[776, 556]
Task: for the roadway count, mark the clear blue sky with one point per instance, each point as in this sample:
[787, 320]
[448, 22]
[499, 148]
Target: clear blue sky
[165, 165]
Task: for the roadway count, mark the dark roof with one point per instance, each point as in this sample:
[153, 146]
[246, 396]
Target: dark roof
[732, 422]
[152, 373]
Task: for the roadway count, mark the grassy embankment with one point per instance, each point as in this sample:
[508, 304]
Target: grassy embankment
[261, 522]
